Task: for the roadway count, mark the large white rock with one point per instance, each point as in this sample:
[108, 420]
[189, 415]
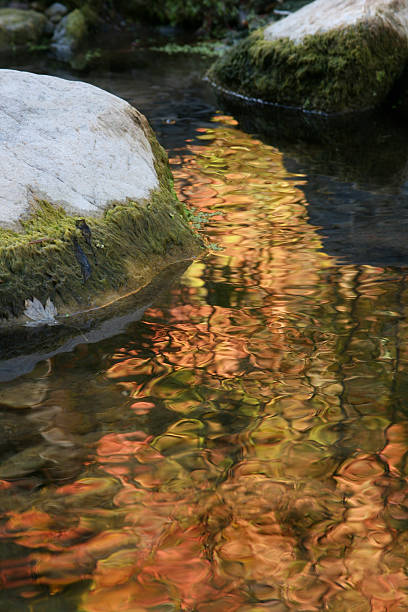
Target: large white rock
[324, 15]
[69, 143]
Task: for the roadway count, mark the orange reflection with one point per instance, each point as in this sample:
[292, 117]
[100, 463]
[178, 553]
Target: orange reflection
[268, 468]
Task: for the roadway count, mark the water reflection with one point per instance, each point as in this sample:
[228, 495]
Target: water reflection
[241, 448]
[357, 177]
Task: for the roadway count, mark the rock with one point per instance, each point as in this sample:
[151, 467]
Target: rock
[69, 35]
[20, 28]
[25, 462]
[87, 207]
[330, 56]
[56, 10]
[29, 391]
[60, 138]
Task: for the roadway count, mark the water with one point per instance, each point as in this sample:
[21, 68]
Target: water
[242, 446]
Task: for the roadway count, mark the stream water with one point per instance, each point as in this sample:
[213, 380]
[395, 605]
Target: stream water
[242, 447]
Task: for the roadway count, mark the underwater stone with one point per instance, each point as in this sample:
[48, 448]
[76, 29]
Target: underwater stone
[330, 56]
[82, 174]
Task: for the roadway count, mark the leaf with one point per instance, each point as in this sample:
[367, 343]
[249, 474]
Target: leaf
[35, 311]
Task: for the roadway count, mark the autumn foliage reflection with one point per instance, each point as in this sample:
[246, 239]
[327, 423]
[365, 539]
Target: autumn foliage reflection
[268, 469]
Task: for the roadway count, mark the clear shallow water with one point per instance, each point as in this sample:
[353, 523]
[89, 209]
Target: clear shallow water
[243, 446]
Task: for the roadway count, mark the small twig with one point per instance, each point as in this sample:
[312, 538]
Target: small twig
[39, 240]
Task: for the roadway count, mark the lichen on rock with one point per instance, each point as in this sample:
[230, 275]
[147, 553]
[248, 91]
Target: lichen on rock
[349, 67]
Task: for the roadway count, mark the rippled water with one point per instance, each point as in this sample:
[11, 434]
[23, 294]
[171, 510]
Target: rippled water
[243, 446]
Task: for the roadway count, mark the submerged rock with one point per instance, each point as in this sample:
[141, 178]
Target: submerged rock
[19, 28]
[87, 208]
[330, 56]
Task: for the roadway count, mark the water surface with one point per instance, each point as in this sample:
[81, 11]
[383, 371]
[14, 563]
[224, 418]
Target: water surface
[243, 446]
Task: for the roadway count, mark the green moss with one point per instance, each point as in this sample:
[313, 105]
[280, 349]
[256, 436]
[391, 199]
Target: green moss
[129, 246]
[76, 26]
[348, 70]
[206, 49]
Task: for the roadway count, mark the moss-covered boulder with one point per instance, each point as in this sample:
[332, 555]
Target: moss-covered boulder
[20, 28]
[88, 211]
[330, 56]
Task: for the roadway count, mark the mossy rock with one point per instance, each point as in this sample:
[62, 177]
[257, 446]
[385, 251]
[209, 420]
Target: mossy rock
[76, 26]
[69, 35]
[351, 66]
[19, 28]
[88, 212]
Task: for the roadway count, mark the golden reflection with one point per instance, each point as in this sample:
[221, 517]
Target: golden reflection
[265, 464]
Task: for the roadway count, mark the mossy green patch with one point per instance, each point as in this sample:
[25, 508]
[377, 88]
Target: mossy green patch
[338, 71]
[206, 49]
[76, 26]
[129, 245]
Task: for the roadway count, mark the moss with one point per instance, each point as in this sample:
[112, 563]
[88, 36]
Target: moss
[206, 49]
[76, 26]
[130, 244]
[337, 71]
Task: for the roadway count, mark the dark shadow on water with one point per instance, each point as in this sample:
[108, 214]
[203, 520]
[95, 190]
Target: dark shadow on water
[355, 176]
[23, 347]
